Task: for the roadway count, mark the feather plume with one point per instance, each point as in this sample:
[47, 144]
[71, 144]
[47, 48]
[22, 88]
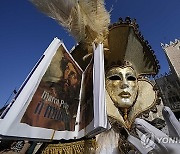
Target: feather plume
[86, 20]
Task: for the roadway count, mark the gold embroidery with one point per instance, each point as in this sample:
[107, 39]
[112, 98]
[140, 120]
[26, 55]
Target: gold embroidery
[78, 147]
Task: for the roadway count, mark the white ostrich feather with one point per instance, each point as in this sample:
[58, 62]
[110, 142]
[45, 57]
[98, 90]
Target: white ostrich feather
[86, 20]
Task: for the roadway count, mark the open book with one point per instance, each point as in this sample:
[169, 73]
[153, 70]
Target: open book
[58, 100]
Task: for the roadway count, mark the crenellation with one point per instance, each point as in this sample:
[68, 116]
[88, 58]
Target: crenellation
[171, 44]
[173, 56]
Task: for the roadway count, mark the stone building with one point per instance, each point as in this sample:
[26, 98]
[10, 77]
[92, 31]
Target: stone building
[172, 51]
[169, 84]
[169, 87]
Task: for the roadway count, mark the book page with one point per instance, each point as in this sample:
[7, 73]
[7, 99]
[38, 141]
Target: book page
[93, 116]
[55, 102]
[47, 103]
[86, 103]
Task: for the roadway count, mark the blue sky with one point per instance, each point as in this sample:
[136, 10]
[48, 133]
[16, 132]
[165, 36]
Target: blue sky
[25, 33]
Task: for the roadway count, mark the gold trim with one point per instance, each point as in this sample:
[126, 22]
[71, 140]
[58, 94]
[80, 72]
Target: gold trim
[78, 147]
[152, 104]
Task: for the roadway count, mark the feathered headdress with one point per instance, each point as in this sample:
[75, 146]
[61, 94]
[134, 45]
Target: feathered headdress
[86, 20]
[127, 47]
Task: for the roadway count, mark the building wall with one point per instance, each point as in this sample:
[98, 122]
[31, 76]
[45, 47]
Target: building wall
[172, 52]
[169, 84]
[169, 87]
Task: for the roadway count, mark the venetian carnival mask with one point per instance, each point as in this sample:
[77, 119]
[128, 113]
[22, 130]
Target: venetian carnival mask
[122, 86]
[128, 60]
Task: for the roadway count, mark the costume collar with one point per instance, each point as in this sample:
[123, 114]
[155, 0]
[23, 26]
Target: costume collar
[145, 100]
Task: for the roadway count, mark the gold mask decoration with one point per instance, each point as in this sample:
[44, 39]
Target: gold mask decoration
[121, 84]
[126, 95]
[125, 110]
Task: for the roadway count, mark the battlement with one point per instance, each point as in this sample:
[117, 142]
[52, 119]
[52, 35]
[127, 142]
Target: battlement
[174, 44]
[172, 51]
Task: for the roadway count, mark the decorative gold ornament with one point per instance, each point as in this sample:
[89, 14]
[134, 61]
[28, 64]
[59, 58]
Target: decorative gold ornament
[78, 147]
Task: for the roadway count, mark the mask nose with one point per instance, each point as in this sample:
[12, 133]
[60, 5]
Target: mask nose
[124, 84]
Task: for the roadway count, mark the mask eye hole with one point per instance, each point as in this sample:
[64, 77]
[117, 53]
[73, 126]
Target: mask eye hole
[131, 78]
[114, 77]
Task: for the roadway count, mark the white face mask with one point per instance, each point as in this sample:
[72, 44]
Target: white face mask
[122, 86]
